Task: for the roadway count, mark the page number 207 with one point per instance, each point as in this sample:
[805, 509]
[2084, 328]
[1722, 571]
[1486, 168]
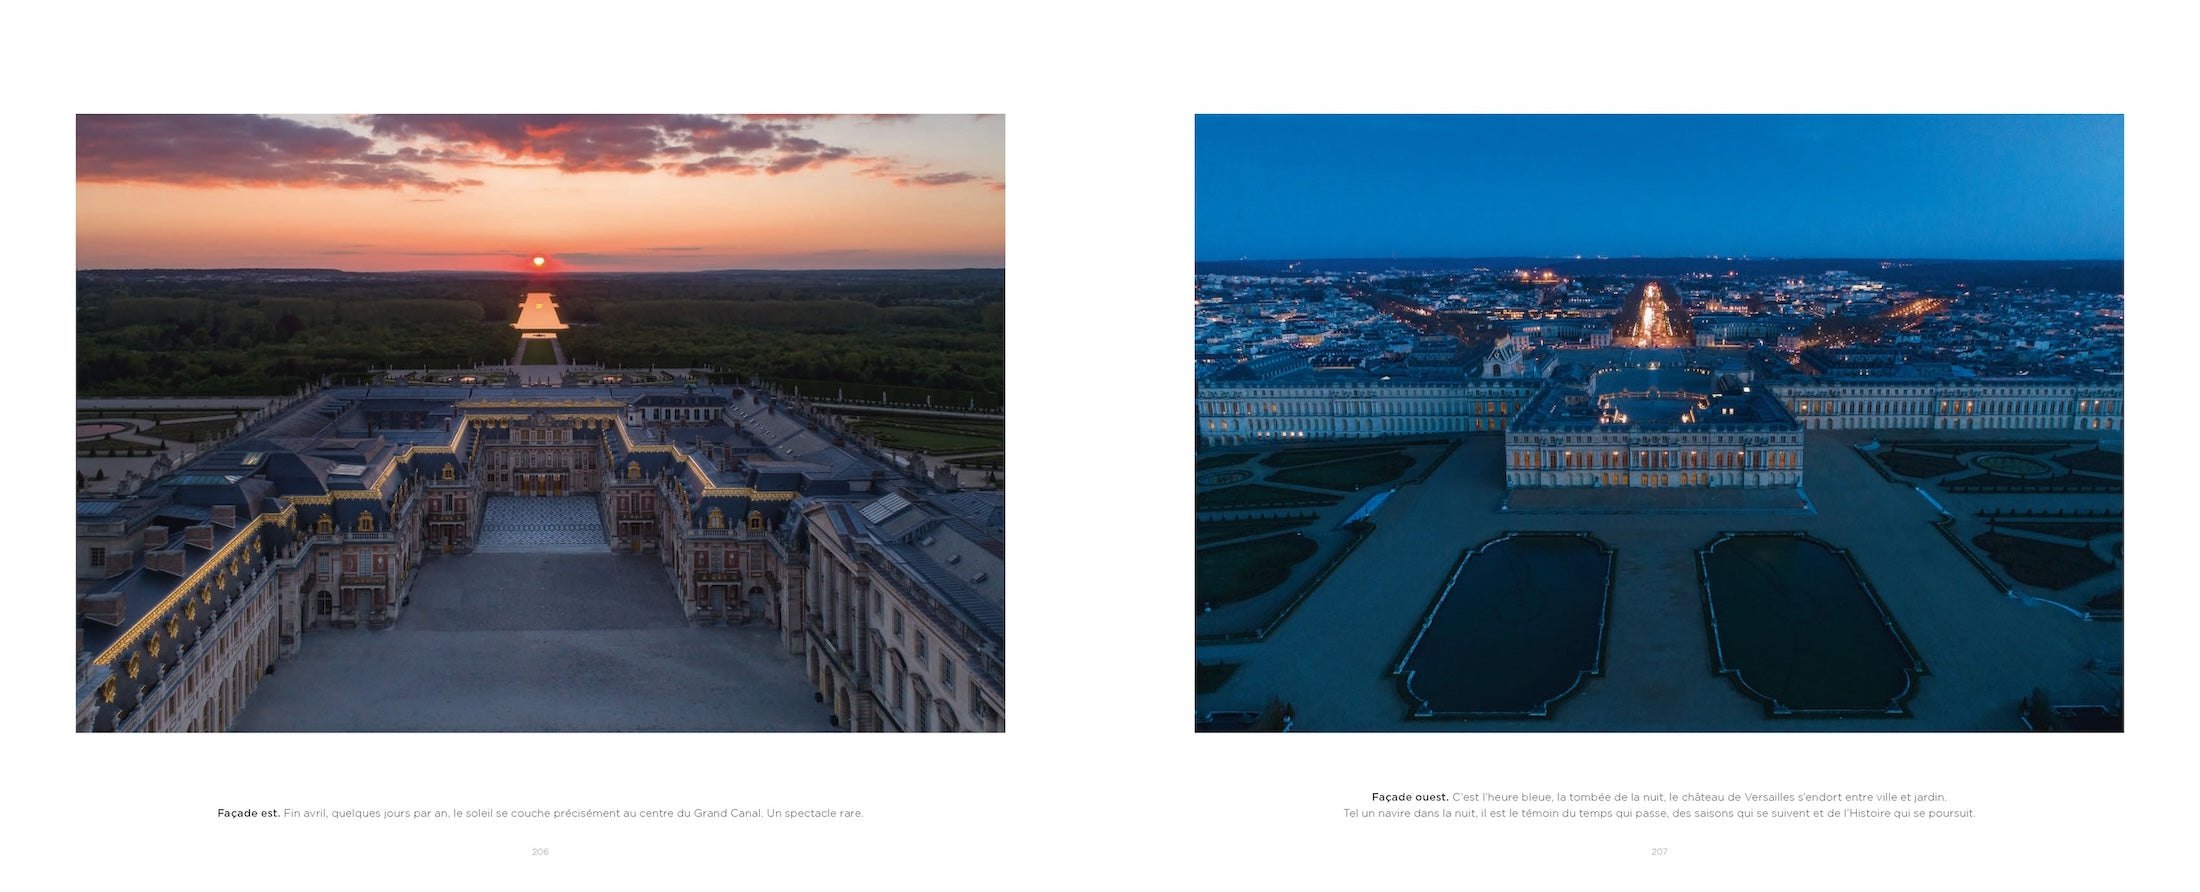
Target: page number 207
[1654, 850]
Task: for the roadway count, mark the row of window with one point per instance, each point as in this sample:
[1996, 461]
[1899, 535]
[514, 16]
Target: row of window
[1333, 407]
[923, 651]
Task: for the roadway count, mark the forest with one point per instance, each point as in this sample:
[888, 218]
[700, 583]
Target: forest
[254, 332]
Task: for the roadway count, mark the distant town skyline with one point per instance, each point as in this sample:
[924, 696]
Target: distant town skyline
[589, 193]
[1985, 187]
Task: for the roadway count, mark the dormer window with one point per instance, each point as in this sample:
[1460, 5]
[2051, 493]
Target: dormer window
[366, 522]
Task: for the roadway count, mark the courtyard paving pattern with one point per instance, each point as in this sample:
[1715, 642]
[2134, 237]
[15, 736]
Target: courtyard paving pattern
[1985, 651]
[539, 642]
[511, 524]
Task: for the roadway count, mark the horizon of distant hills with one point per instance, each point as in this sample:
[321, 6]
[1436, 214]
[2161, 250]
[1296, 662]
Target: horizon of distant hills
[314, 271]
[1921, 273]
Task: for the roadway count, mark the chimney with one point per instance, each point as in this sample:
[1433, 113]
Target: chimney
[169, 561]
[200, 535]
[105, 607]
[225, 515]
[156, 537]
[120, 563]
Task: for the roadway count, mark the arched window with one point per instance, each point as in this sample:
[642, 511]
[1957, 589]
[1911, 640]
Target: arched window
[633, 470]
[366, 522]
[450, 472]
[756, 520]
[717, 519]
[325, 525]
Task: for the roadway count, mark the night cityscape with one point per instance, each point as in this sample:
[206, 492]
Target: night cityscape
[1651, 491]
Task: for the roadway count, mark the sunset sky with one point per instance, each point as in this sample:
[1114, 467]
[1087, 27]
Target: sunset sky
[373, 193]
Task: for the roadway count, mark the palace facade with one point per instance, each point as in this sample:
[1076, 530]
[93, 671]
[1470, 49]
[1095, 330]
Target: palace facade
[888, 585]
[1641, 418]
[1653, 427]
[1955, 404]
[1309, 404]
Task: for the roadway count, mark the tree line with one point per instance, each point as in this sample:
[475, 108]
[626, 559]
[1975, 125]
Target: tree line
[155, 333]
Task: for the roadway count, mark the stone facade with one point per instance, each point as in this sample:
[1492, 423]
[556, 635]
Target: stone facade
[1354, 407]
[201, 581]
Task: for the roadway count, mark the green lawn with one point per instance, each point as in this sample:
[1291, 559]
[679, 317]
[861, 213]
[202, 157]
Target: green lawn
[934, 435]
[192, 431]
[1297, 457]
[2072, 529]
[1254, 495]
[1911, 464]
[946, 399]
[1348, 475]
[1958, 447]
[160, 414]
[107, 445]
[1209, 679]
[1221, 461]
[2095, 461]
[2043, 564]
[1222, 530]
[1227, 574]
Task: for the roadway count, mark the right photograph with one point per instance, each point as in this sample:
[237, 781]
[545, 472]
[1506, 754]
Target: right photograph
[1659, 422]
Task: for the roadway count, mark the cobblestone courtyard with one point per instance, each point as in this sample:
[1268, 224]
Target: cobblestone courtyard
[539, 642]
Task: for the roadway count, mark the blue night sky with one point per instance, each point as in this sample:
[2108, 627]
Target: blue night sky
[1960, 186]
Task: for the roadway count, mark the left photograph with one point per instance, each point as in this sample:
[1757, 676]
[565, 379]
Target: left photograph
[539, 423]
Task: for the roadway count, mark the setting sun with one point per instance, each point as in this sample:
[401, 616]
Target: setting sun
[538, 261]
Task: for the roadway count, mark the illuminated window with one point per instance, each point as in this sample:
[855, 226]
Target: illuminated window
[717, 519]
[366, 522]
